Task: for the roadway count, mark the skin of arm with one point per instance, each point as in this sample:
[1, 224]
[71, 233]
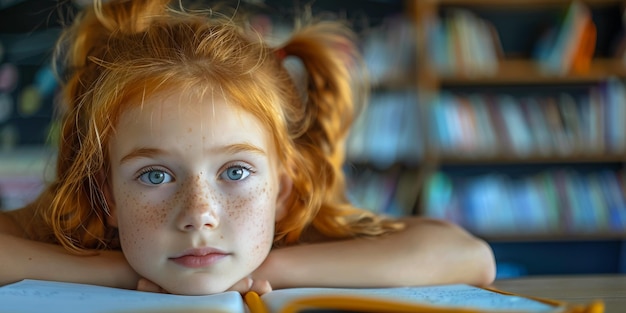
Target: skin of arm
[22, 258]
[425, 252]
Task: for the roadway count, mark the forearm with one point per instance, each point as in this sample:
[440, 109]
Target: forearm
[26, 259]
[427, 252]
[22, 258]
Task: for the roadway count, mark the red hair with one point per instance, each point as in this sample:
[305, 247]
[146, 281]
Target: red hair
[125, 50]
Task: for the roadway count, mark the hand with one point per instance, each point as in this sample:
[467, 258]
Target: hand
[147, 285]
[246, 284]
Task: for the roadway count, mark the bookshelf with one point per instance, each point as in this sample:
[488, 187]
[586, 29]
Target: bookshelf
[520, 71]
[491, 176]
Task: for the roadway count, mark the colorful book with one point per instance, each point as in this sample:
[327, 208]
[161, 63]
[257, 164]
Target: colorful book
[572, 40]
[30, 296]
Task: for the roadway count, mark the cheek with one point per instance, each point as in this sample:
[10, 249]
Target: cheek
[138, 218]
[254, 214]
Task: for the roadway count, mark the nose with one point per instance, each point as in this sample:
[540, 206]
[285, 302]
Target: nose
[199, 209]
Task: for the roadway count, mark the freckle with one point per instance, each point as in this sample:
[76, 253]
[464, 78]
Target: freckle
[189, 130]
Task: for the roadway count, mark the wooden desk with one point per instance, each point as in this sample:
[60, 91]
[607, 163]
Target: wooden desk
[611, 289]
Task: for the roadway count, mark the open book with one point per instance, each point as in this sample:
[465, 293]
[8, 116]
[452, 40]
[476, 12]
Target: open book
[29, 296]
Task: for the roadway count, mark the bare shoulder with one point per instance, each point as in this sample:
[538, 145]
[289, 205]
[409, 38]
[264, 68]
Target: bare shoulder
[427, 225]
[312, 235]
[425, 221]
[414, 226]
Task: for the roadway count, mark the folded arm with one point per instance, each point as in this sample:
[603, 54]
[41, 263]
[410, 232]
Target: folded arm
[21, 258]
[426, 252]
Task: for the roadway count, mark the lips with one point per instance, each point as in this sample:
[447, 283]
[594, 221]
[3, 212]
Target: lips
[198, 258]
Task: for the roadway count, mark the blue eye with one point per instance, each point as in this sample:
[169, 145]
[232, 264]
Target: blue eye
[236, 173]
[155, 177]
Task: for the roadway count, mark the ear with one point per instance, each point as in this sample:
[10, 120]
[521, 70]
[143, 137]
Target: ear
[284, 191]
[107, 193]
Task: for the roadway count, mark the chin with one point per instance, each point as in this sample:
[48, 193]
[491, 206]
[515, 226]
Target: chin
[195, 288]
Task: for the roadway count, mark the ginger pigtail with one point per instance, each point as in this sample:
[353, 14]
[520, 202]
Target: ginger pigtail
[335, 83]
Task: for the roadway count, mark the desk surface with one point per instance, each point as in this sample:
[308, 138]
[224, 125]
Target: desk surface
[611, 289]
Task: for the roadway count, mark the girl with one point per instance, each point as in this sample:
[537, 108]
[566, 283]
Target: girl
[187, 145]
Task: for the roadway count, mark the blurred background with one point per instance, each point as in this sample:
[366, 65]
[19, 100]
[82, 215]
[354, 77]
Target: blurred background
[506, 117]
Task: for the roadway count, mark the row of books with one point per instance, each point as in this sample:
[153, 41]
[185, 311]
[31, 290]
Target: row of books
[389, 51]
[463, 43]
[569, 45]
[393, 192]
[563, 124]
[460, 42]
[561, 201]
[387, 132]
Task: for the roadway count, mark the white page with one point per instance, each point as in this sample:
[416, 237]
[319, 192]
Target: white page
[34, 296]
[454, 296]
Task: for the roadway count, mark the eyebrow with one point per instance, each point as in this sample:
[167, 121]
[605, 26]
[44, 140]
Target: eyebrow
[241, 147]
[142, 153]
[226, 149]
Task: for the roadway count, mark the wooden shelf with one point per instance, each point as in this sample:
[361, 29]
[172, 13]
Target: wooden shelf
[562, 236]
[515, 69]
[520, 3]
[462, 158]
[528, 72]
[394, 84]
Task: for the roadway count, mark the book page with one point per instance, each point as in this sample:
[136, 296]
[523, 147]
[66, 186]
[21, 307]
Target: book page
[449, 296]
[30, 296]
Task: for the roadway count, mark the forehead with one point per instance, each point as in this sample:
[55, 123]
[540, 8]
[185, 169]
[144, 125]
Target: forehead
[191, 104]
[207, 117]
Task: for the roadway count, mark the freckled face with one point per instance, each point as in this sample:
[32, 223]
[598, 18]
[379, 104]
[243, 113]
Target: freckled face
[194, 192]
